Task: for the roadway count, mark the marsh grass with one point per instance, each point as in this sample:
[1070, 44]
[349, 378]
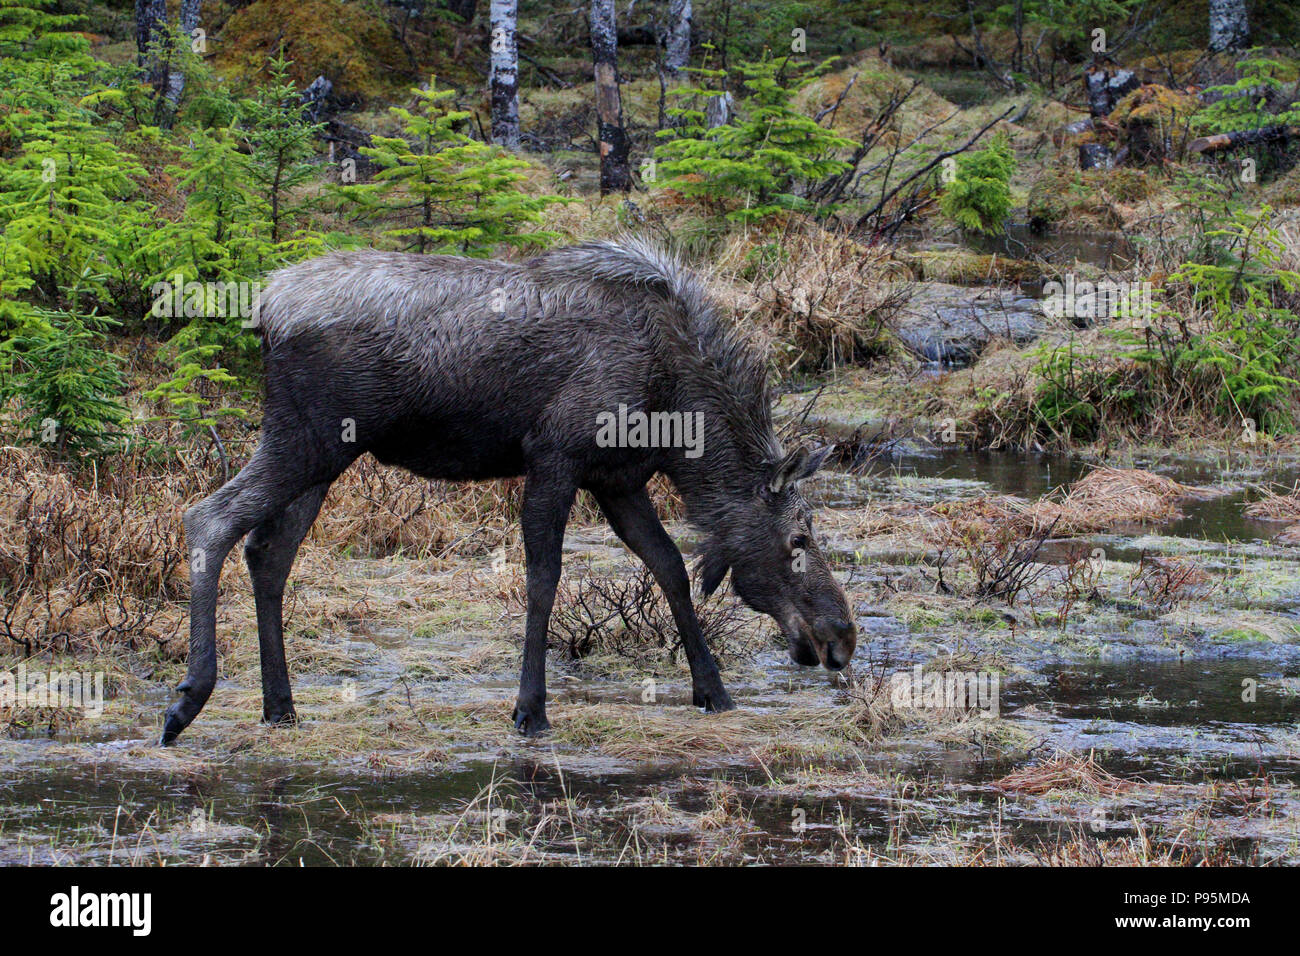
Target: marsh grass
[1063, 771]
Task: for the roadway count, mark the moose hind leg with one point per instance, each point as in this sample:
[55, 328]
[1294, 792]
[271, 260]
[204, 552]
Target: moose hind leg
[269, 552]
[634, 520]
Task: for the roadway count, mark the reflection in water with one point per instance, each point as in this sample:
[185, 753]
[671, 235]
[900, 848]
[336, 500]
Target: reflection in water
[1031, 475]
[1106, 249]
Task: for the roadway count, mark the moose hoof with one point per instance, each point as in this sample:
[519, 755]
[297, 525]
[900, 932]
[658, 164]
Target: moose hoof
[713, 701]
[173, 723]
[530, 719]
[278, 716]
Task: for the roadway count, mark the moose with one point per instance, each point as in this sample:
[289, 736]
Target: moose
[472, 369]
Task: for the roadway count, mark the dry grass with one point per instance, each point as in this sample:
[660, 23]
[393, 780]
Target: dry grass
[1063, 771]
[97, 557]
[683, 734]
[1133, 490]
[1272, 506]
[822, 299]
[377, 511]
[1103, 500]
[90, 558]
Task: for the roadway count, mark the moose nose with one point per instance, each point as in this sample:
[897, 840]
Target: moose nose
[840, 635]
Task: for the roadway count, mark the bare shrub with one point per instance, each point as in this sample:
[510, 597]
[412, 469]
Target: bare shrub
[1165, 582]
[1002, 554]
[627, 616]
[84, 561]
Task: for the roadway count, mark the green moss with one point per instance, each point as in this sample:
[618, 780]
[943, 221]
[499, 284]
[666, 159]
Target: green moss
[1154, 105]
[1244, 635]
[1069, 196]
[348, 43]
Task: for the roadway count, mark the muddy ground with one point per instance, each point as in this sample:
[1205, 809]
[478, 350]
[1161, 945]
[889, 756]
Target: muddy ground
[1146, 710]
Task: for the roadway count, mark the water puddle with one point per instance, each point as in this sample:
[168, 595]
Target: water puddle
[1111, 251]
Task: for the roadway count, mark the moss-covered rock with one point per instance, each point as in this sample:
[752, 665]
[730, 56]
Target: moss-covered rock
[1155, 121]
[349, 43]
[1071, 196]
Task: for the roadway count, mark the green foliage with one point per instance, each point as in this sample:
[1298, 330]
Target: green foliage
[1244, 103]
[449, 192]
[62, 383]
[280, 142]
[243, 180]
[979, 197]
[1222, 344]
[30, 26]
[1251, 335]
[1079, 391]
[755, 166]
[66, 197]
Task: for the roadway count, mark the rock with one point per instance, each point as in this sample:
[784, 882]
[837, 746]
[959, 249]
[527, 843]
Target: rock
[952, 325]
[315, 97]
[1095, 156]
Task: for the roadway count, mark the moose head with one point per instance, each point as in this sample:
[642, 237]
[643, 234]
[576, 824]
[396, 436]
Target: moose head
[766, 539]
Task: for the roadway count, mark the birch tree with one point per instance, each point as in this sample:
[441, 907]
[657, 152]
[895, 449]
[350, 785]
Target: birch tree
[677, 47]
[504, 16]
[615, 172]
[175, 75]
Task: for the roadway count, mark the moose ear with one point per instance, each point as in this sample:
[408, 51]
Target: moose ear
[710, 571]
[796, 466]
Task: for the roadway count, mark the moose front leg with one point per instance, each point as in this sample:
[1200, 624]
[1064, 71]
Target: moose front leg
[548, 496]
[635, 521]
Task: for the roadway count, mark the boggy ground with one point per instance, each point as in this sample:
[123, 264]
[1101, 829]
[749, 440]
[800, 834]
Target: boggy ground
[1148, 674]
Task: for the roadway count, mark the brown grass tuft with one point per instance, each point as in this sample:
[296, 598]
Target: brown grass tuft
[824, 300]
[1063, 771]
[87, 558]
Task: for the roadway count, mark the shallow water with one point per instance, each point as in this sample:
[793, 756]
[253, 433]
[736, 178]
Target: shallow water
[1172, 721]
[1019, 241]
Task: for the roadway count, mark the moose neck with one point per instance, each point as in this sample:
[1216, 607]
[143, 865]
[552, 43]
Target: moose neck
[736, 442]
[706, 371]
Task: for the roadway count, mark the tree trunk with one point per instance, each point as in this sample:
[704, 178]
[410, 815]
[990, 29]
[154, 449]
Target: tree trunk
[677, 47]
[464, 9]
[717, 110]
[150, 16]
[615, 170]
[505, 73]
[189, 23]
[1228, 26]
[1242, 137]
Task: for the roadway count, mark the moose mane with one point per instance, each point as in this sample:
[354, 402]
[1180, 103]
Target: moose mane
[714, 368]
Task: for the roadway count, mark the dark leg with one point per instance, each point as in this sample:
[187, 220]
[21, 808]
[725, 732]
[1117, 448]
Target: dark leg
[265, 487]
[548, 496]
[634, 520]
[270, 551]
